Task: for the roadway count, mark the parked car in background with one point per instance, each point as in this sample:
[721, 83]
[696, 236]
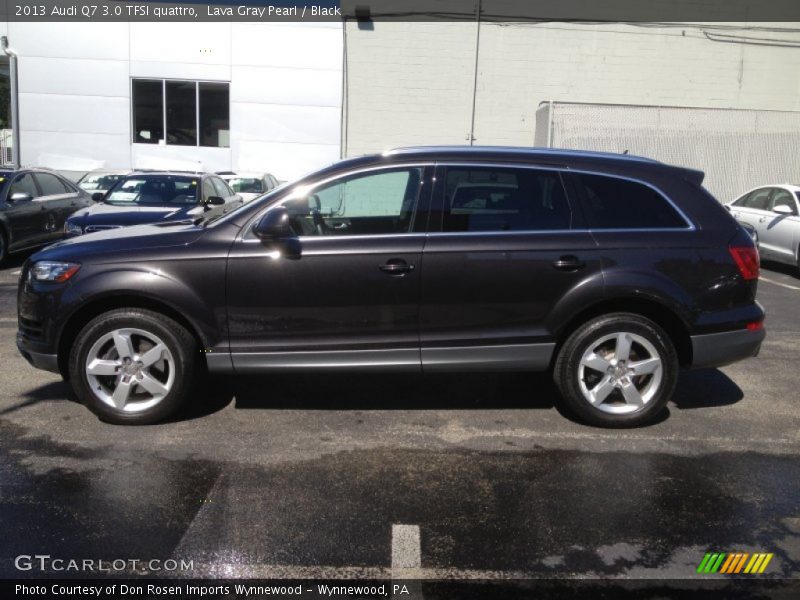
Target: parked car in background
[149, 197]
[250, 185]
[34, 205]
[770, 214]
[100, 180]
[611, 272]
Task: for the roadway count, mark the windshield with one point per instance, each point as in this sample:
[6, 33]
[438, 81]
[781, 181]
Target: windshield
[246, 185]
[155, 190]
[96, 183]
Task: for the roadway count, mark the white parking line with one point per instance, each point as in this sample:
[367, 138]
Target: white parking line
[786, 285]
[406, 553]
[7, 320]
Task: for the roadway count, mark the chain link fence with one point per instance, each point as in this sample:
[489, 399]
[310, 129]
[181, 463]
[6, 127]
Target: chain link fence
[737, 149]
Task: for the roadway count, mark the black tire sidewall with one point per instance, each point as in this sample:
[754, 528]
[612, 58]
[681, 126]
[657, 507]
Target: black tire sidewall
[179, 342]
[568, 361]
[3, 245]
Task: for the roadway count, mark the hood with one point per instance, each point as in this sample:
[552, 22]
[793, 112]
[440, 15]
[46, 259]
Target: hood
[115, 241]
[112, 215]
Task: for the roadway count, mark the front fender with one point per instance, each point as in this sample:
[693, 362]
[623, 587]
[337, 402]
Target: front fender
[206, 314]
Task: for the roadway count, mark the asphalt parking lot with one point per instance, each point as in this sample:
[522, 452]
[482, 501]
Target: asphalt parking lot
[457, 476]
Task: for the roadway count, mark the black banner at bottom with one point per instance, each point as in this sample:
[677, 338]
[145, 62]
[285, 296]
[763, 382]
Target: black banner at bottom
[410, 589]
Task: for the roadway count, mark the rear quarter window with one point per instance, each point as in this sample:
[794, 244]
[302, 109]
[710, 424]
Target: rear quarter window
[613, 203]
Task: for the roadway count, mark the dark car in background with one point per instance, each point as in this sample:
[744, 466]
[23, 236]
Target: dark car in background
[611, 272]
[34, 205]
[149, 197]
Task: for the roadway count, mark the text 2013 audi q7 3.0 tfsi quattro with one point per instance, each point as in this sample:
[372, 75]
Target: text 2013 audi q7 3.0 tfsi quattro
[610, 271]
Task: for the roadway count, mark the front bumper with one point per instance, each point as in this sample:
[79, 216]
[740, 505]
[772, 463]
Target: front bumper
[40, 360]
[720, 349]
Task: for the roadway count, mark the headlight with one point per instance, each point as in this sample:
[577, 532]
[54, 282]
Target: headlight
[72, 228]
[56, 272]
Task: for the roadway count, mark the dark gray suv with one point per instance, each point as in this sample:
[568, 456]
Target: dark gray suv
[609, 271]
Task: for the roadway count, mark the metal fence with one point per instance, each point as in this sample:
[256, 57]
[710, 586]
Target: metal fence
[737, 149]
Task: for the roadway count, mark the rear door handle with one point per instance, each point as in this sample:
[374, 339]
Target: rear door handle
[396, 266]
[569, 263]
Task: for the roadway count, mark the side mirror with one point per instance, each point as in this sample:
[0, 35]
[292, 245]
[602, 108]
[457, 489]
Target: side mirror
[19, 197]
[215, 201]
[274, 226]
[98, 196]
[783, 209]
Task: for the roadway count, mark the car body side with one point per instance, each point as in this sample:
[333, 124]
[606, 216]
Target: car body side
[507, 310]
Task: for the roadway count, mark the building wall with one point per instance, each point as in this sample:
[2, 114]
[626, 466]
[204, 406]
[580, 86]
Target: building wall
[75, 107]
[421, 75]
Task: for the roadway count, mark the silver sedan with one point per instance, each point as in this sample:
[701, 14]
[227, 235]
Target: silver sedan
[770, 214]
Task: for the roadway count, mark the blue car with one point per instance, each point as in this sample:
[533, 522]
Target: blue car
[153, 197]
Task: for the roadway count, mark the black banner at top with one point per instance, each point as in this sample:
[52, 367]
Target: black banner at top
[640, 11]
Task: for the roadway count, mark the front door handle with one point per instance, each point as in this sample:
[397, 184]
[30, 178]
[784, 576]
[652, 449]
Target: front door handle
[569, 263]
[396, 266]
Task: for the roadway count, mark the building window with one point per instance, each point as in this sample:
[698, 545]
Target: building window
[148, 111]
[214, 106]
[193, 113]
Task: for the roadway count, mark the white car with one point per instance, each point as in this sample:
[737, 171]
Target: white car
[101, 180]
[770, 214]
[250, 185]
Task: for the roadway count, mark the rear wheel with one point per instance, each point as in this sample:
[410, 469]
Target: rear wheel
[133, 366]
[618, 370]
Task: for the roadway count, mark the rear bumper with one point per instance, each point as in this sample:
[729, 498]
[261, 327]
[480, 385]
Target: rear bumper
[720, 349]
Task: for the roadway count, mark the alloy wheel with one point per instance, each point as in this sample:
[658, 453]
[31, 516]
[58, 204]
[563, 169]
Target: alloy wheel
[620, 373]
[130, 369]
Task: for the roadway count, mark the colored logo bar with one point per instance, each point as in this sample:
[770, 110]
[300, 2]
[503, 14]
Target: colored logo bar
[734, 563]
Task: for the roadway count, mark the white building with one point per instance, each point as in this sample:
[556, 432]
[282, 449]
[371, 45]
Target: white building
[288, 98]
[447, 83]
[230, 96]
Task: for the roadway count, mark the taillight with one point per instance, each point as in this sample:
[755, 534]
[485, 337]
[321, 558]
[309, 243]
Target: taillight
[746, 258]
[755, 326]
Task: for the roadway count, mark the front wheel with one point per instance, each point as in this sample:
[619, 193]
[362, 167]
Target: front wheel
[133, 366]
[618, 370]
[3, 246]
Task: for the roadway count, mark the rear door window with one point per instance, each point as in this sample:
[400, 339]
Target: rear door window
[50, 184]
[613, 203]
[504, 199]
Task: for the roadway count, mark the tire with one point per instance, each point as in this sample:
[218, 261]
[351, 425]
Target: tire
[797, 262]
[3, 246]
[146, 386]
[597, 378]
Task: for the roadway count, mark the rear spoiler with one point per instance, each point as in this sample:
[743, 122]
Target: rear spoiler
[693, 175]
